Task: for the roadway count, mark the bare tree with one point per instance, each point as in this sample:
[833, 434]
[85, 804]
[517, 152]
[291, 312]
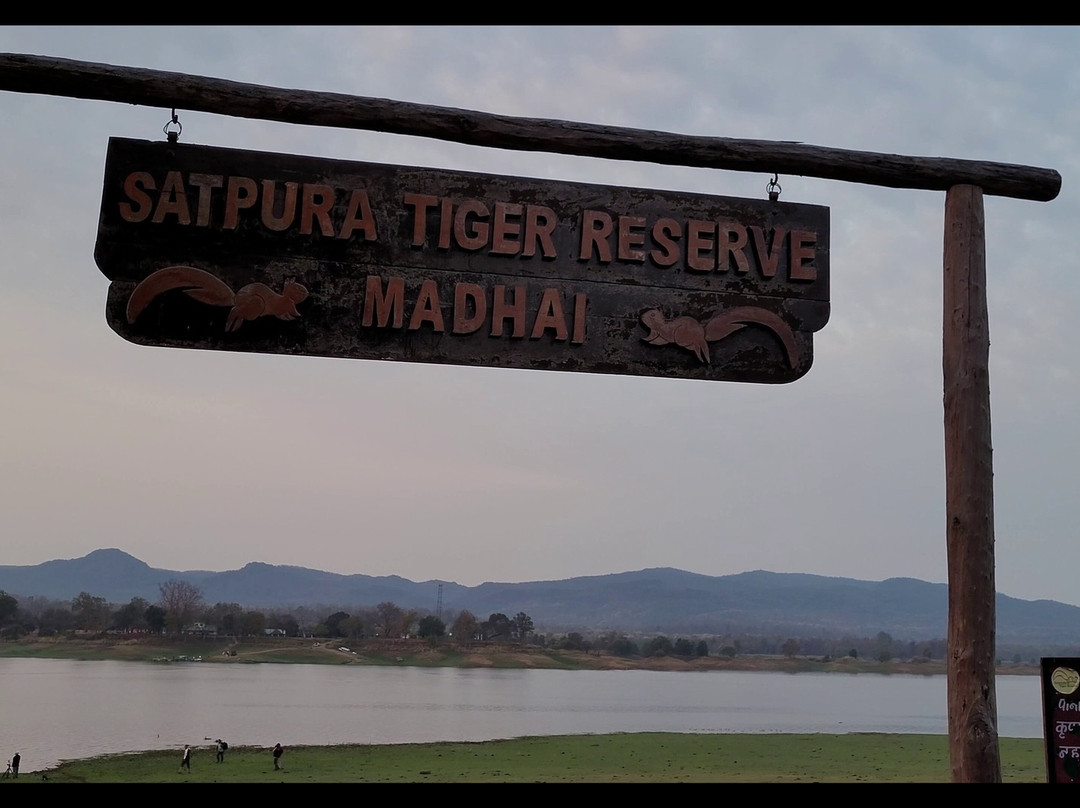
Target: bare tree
[465, 626]
[522, 626]
[406, 622]
[181, 601]
[390, 615]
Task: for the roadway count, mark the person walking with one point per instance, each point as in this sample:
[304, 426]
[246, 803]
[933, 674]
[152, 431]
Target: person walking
[185, 760]
[277, 755]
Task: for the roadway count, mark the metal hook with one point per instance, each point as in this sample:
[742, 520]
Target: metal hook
[773, 188]
[173, 134]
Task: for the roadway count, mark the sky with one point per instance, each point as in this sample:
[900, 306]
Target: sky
[192, 459]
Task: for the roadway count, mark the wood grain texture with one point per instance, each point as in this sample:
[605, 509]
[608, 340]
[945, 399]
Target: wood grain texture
[969, 493]
[64, 77]
[196, 263]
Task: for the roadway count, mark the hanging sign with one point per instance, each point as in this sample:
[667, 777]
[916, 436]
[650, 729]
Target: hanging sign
[225, 249]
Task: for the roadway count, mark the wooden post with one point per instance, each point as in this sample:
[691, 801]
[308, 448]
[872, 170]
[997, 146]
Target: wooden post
[22, 73]
[969, 493]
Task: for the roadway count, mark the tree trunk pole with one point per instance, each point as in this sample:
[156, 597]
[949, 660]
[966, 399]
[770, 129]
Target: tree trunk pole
[969, 493]
[23, 73]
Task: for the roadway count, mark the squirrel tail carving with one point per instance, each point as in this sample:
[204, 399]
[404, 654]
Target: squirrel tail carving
[732, 320]
[195, 283]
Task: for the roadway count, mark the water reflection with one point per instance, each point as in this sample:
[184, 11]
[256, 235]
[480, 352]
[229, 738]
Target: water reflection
[57, 709]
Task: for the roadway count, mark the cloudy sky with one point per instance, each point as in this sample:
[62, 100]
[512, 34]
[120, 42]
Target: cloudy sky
[208, 460]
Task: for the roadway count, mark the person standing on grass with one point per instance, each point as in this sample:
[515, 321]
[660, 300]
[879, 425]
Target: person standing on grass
[277, 755]
[15, 764]
[185, 760]
[221, 747]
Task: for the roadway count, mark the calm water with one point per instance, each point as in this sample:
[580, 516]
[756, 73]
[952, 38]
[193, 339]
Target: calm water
[52, 709]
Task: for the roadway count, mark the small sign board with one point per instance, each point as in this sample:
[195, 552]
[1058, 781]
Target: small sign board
[227, 249]
[1061, 718]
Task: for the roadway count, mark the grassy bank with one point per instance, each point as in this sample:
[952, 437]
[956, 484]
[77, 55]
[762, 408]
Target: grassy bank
[423, 653]
[628, 758]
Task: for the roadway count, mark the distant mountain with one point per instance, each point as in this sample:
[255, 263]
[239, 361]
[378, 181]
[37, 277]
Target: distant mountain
[660, 600]
[118, 577]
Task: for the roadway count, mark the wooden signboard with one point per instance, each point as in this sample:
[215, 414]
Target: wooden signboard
[1061, 718]
[238, 250]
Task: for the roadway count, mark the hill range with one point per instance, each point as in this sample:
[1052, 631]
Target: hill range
[650, 600]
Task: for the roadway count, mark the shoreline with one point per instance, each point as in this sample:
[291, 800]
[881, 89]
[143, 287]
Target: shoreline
[426, 653]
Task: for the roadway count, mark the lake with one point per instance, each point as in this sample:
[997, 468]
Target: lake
[55, 709]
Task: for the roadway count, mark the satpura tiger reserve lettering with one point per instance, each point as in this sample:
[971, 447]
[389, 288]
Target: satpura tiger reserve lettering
[697, 245]
[384, 306]
[306, 207]
[341, 258]
[501, 228]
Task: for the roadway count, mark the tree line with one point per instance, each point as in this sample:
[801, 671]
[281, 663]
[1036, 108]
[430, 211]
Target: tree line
[389, 620]
[180, 609]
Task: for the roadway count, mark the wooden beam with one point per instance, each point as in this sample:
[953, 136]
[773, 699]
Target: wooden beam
[969, 493]
[64, 77]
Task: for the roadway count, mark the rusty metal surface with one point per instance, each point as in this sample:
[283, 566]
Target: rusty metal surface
[238, 250]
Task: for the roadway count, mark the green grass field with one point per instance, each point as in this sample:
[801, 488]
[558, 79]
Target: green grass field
[617, 758]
